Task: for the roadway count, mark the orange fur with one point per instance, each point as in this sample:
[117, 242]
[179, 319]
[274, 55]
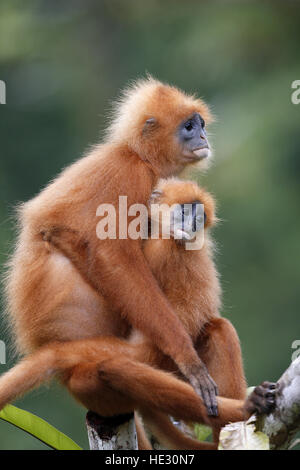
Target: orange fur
[58, 316]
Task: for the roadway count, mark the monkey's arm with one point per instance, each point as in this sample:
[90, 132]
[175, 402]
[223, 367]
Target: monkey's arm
[141, 301]
[122, 275]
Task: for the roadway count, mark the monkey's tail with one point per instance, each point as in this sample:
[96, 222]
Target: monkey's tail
[169, 436]
[37, 368]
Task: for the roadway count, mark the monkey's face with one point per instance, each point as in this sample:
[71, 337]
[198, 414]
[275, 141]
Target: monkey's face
[164, 126]
[174, 139]
[181, 209]
[186, 220]
[174, 134]
[193, 139]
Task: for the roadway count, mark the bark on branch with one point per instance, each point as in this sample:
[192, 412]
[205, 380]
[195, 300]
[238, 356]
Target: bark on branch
[116, 433]
[280, 426]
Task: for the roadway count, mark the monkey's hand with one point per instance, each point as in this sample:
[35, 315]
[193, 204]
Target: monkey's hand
[68, 241]
[204, 386]
[55, 233]
[263, 399]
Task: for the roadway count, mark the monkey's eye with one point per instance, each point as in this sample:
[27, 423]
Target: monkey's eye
[189, 126]
[185, 211]
[200, 219]
[202, 122]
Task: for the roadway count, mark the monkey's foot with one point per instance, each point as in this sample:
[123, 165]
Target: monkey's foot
[263, 398]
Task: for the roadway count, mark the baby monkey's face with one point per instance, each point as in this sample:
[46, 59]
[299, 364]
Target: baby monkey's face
[181, 210]
[186, 220]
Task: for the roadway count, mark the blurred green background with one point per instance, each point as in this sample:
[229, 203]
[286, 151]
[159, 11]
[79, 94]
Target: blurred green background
[63, 61]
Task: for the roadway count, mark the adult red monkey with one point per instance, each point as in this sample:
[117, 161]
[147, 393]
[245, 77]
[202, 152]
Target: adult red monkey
[158, 131]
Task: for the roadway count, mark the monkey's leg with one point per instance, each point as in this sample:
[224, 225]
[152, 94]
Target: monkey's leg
[32, 372]
[51, 360]
[133, 291]
[118, 385]
[114, 385]
[91, 366]
[169, 435]
[143, 441]
[41, 366]
[149, 388]
[219, 348]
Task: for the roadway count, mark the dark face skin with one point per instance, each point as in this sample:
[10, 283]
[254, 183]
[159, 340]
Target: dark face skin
[186, 220]
[193, 138]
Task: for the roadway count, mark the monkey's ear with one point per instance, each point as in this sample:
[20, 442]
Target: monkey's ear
[150, 125]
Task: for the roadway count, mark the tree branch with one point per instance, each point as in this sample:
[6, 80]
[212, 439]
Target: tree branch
[115, 433]
[279, 427]
[282, 425]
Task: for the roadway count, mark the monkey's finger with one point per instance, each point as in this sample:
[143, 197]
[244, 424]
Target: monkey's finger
[209, 400]
[215, 386]
[214, 403]
[213, 392]
[206, 399]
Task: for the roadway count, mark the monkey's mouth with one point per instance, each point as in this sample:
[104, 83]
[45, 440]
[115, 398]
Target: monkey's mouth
[201, 153]
[198, 154]
[183, 236]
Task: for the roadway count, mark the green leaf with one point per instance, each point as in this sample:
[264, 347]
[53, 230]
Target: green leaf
[38, 428]
[202, 432]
